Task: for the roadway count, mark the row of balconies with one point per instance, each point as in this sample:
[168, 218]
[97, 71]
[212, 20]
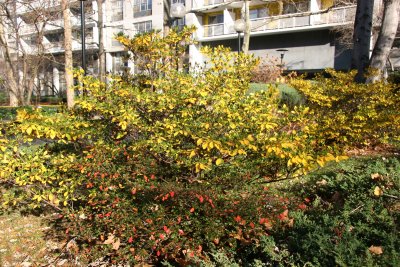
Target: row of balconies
[340, 15]
[27, 6]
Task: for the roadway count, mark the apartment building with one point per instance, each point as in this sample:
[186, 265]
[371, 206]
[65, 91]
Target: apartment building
[298, 30]
[119, 16]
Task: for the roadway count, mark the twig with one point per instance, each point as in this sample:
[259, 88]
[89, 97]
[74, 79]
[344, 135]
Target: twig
[359, 207]
[395, 197]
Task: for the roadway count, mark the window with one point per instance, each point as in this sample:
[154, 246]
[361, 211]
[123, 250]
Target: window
[117, 10]
[142, 27]
[179, 23]
[295, 7]
[216, 19]
[142, 8]
[119, 62]
[55, 37]
[31, 40]
[258, 13]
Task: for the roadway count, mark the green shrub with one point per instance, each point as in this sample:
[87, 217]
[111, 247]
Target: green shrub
[339, 220]
[351, 114]
[168, 165]
[287, 95]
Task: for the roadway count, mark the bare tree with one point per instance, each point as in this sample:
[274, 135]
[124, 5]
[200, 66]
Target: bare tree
[22, 63]
[69, 79]
[387, 34]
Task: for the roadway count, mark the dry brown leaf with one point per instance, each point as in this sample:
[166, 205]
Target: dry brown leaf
[109, 240]
[377, 250]
[376, 176]
[116, 244]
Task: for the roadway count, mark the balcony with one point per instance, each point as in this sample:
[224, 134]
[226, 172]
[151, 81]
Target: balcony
[336, 16]
[26, 7]
[214, 29]
[213, 2]
[56, 25]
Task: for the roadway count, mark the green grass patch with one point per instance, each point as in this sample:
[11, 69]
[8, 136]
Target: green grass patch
[9, 113]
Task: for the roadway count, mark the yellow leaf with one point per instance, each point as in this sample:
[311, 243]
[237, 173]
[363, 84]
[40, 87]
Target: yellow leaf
[52, 134]
[199, 141]
[29, 130]
[192, 154]
[219, 161]
[378, 191]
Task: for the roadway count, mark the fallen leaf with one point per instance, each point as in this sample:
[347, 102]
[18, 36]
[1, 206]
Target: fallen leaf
[376, 176]
[378, 191]
[116, 244]
[377, 250]
[109, 240]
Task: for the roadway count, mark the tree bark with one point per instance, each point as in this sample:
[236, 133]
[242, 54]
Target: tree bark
[10, 70]
[69, 80]
[247, 30]
[384, 43]
[102, 59]
[166, 17]
[362, 38]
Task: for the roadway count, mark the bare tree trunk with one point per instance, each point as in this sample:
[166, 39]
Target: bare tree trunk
[167, 17]
[12, 86]
[10, 71]
[387, 34]
[362, 38]
[69, 80]
[247, 30]
[102, 59]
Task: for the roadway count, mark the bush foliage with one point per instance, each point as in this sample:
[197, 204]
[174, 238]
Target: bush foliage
[167, 165]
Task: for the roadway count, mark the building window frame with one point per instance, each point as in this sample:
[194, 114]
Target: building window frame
[142, 8]
[142, 27]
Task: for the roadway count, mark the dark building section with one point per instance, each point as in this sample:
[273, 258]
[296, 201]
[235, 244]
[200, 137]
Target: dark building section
[307, 50]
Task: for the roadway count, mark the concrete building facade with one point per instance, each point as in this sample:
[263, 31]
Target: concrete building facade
[303, 28]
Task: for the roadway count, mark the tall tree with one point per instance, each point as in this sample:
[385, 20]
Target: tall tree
[384, 43]
[69, 79]
[362, 38]
[247, 29]
[102, 55]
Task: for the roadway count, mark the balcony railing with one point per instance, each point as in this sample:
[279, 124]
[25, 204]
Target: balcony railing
[54, 25]
[338, 15]
[213, 2]
[24, 7]
[213, 29]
